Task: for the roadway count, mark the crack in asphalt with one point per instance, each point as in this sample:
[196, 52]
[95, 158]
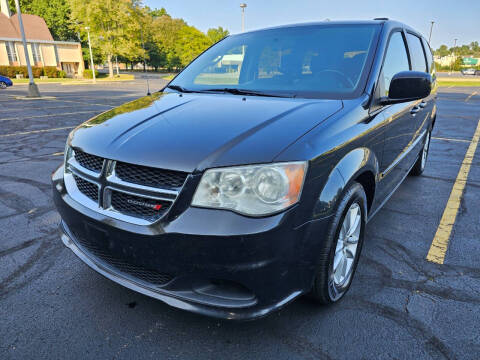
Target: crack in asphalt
[434, 345]
[47, 252]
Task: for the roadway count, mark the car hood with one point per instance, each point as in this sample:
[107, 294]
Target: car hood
[189, 132]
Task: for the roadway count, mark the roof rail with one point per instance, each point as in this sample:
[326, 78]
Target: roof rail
[382, 18]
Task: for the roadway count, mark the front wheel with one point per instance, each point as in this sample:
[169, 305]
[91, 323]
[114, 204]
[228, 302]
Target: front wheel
[419, 166]
[3, 85]
[341, 248]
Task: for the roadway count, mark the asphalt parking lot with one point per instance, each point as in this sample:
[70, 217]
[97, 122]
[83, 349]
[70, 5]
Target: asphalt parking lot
[400, 306]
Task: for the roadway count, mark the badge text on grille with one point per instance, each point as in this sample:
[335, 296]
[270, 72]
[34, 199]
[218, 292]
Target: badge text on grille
[144, 204]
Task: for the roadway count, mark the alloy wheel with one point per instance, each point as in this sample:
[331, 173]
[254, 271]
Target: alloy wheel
[345, 251]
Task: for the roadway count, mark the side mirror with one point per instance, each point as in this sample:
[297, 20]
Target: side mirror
[408, 86]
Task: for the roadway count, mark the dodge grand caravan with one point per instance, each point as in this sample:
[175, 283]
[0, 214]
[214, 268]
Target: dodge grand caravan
[250, 178]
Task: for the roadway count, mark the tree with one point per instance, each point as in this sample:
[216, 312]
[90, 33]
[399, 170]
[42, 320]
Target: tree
[178, 43]
[442, 51]
[157, 12]
[97, 56]
[474, 46]
[56, 14]
[191, 42]
[457, 65]
[114, 26]
[215, 35]
[165, 34]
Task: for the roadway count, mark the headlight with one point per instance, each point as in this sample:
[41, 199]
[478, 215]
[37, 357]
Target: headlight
[254, 190]
[68, 153]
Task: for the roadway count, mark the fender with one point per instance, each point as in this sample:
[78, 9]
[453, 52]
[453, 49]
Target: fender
[352, 165]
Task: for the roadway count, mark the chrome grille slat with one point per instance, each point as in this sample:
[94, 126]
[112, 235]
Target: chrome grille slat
[124, 200]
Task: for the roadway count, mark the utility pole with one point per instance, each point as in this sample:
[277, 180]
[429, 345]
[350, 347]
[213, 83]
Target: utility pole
[32, 87]
[243, 6]
[453, 54]
[431, 28]
[91, 55]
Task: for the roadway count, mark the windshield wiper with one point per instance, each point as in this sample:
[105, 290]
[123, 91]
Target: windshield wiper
[248, 92]
[179, 88]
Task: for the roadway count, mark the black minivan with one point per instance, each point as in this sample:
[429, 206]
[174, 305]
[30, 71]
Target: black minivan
[249, 179]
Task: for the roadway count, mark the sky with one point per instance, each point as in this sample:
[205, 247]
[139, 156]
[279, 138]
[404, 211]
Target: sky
[453, 19]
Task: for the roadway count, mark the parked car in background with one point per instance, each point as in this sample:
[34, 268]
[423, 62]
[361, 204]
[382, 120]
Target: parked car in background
[231, 193]
[470, 71]
[5, 82]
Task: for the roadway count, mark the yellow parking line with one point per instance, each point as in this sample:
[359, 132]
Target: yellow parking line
[450, 139]
[470, 96]
[439, 245]
[36, 131]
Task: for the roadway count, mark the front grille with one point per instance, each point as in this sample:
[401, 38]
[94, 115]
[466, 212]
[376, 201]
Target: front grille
[87, 188]
[90, 162]
[123, 191]
[138, 206]
[147, 176]
[124, 266]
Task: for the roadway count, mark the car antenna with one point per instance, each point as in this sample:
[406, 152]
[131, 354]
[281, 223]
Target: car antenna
[148, 86]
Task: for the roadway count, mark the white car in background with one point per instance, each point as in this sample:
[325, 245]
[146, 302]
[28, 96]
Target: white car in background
[470, 72]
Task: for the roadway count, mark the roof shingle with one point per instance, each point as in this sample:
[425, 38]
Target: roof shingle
[35, 27]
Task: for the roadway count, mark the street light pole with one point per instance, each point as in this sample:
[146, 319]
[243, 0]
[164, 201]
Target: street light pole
[431, 28]
[243, 6]
[91, 55]
[32, 87]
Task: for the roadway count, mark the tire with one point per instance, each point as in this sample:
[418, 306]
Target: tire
[421, 162]
[3, 85]
[328, 286]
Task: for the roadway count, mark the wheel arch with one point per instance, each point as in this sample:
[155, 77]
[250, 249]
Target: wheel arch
[360, 165]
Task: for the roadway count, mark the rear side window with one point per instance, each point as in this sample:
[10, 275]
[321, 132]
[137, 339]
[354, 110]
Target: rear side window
[416, 53]
[396, 60]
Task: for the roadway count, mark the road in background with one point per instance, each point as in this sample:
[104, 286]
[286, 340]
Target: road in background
[400, 306]
[456, 74]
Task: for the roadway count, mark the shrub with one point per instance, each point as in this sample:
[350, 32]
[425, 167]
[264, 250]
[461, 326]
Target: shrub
[11, 71]
[8, 71]
[62, 74]
[50, 71]
[87, 74]
[37, 71]
[20, 70]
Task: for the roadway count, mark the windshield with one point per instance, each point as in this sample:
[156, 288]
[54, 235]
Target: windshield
[314, 61]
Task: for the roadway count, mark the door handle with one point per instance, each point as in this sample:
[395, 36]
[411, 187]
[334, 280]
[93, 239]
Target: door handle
[415, 109]
[423, 104]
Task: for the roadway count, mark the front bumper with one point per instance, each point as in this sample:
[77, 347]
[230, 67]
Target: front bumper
[218, 263]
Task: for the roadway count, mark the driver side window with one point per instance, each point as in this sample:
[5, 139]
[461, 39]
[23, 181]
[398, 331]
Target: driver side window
[396, 60]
